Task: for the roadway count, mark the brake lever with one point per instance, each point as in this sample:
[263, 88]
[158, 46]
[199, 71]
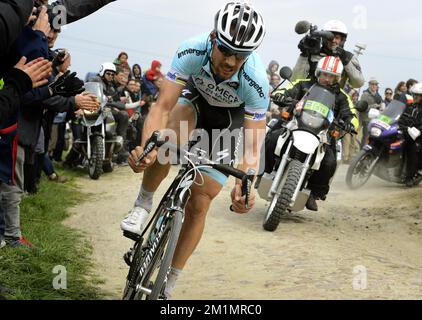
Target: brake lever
[150, 145]
[246, 189]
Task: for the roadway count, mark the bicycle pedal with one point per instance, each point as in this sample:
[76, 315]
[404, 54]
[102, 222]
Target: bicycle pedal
[133, 236]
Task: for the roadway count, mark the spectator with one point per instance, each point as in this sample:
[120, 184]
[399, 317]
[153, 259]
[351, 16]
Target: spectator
[134, 105]
[149, 88]
[272, 69]
[136, 72]
[121, 81]
[406, 97]
[388, 96]
[400, 89]
[121, 62]
[374, 100]
[275, 80]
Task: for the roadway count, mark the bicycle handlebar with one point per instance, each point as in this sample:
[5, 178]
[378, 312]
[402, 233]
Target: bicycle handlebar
[246, 178]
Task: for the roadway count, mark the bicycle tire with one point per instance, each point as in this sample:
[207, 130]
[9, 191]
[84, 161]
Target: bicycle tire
[175, 228]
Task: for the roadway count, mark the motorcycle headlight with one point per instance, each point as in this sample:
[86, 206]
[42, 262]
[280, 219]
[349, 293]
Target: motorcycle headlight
[375, 132]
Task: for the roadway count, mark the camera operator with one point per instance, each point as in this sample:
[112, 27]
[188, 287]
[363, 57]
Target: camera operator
[329, 42]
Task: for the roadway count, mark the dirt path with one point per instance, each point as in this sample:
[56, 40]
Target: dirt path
[310, 256]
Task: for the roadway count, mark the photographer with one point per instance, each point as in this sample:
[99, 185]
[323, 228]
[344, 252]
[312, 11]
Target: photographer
[317, 45]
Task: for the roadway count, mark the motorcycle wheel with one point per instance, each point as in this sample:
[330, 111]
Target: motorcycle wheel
[281, 203]
[95, 165]
[360, 170]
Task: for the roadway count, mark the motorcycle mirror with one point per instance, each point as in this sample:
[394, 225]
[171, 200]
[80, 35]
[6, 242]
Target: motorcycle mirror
[373, 113]
[362, 106]
[286, 73]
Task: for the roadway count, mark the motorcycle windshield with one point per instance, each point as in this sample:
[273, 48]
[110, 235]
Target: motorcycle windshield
[317, 109]
[392, 113]
[96, 89]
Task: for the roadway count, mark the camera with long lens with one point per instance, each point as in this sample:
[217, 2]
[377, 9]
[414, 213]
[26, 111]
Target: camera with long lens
[312, 43]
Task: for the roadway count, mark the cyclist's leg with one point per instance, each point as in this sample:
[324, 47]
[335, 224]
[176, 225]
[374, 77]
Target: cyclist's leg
[195, 215]
[182, 115]
[229, 122]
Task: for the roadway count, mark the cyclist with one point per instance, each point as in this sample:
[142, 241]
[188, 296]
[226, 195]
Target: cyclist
[216, 81]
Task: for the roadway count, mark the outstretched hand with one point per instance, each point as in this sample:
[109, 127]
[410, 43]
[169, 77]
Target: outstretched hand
[38, 70]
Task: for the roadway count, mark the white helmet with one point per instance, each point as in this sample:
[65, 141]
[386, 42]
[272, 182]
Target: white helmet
[330, 65]
[239, 26]
[416, 89]
[336, 26]
[107, 66]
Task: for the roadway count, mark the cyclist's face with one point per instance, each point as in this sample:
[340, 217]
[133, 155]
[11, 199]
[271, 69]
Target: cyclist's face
[225, 65]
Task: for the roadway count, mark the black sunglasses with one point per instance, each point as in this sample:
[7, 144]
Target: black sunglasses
[227, 52]
[109, 74]
[388, 93]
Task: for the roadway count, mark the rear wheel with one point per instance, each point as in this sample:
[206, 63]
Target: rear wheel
[281, 203]
[95, 165]
[360, 169]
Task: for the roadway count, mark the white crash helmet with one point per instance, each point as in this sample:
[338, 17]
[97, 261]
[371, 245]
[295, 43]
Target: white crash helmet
[330, 65]
[416, 89]
[107, 66]
[336, 26]
[238, 26]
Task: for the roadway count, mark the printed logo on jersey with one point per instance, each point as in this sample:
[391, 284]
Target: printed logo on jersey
[219, 95]
[254, 85]
[191, 51]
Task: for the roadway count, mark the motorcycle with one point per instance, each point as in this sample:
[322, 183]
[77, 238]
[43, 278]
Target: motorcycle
[99, 141]
[300, 150]
[384, 155]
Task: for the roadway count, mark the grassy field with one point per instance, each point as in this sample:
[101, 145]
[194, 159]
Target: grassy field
[28, 273]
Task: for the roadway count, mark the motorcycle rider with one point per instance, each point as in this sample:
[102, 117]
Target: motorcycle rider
[306, 63]
[106, 77]
[327, 74]
[410, 123]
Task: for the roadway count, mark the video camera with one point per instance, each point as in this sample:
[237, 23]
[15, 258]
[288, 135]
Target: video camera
[313, 41]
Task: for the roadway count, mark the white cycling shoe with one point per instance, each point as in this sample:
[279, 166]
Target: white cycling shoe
[135, 220]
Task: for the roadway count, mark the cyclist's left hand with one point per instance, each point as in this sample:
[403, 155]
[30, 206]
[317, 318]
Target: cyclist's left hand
[238, 201]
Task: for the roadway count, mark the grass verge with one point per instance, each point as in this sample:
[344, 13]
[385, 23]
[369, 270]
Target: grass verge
[29, 273]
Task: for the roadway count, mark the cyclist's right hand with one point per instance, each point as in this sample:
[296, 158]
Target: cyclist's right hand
[145, 163]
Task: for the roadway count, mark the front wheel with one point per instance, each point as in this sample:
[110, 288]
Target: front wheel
[281, 203]
[360, 169]
[95, 165]
[151, 262]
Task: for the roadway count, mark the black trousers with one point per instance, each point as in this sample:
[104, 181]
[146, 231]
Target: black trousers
[122, 119]
[58, 150]
[319, 181]
[413, 152]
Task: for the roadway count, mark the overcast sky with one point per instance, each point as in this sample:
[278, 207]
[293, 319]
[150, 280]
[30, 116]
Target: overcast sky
[149, 30]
